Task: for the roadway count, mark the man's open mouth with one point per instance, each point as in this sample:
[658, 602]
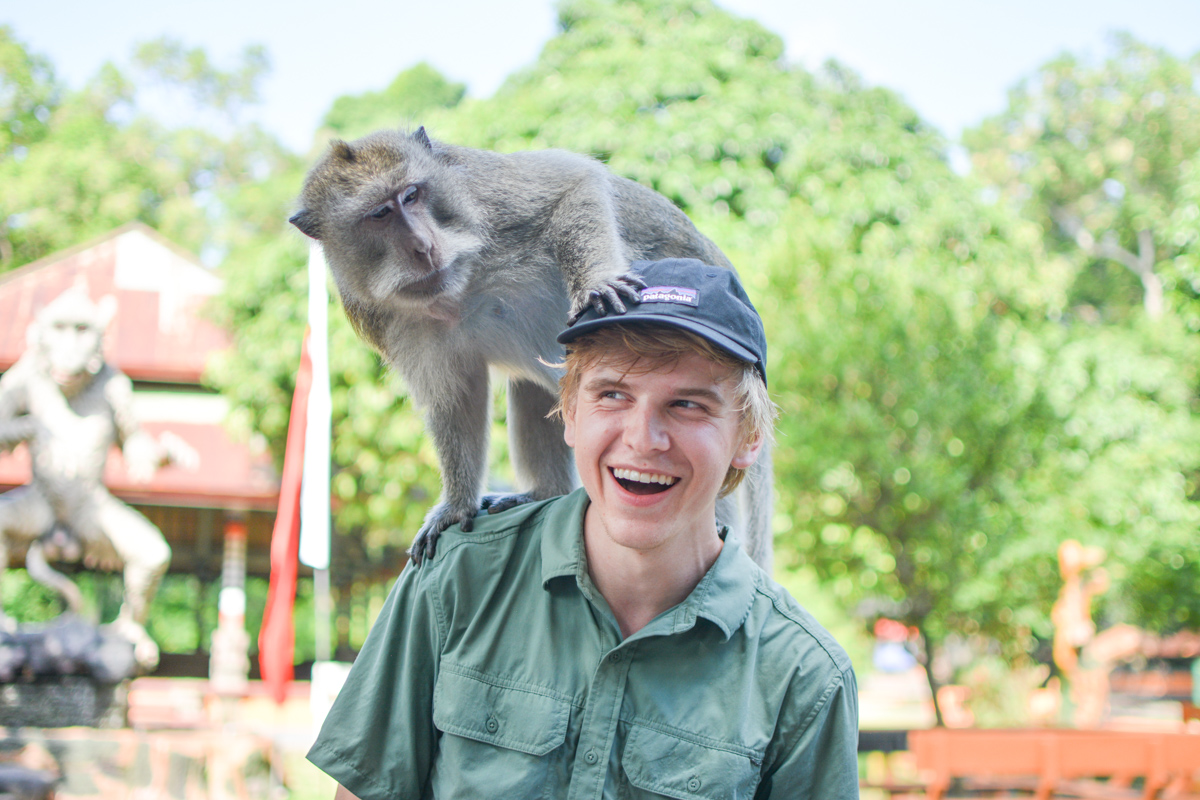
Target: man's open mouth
[643, 482]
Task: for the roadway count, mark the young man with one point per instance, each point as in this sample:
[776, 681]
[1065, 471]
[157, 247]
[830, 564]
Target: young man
[613, 643]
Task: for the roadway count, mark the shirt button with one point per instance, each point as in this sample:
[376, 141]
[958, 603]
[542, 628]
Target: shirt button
[613, 658]
[590, 757]
[492, 725]
[693, 784]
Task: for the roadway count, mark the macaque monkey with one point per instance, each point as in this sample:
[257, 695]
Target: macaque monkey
[450, 260]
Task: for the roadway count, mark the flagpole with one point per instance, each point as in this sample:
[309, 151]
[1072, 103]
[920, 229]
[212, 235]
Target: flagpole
[314, 495]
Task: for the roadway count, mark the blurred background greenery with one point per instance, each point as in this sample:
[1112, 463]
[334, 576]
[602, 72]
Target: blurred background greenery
[973, 365]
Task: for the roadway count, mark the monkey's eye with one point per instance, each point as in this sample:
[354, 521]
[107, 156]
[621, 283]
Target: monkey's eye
[381, 212]
[409, 196]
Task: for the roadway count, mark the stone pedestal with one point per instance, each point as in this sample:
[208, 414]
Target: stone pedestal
[63, 673]
[63, 701]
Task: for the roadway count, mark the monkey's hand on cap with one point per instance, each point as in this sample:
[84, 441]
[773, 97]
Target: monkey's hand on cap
[608, 296]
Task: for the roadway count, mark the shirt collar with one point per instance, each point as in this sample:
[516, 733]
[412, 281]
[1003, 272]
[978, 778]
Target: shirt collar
[562, 537]
[723, 596]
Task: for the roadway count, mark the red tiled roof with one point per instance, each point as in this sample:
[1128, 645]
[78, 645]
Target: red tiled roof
[158, 333]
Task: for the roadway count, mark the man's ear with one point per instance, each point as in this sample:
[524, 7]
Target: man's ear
[749, 452]
[568, 419]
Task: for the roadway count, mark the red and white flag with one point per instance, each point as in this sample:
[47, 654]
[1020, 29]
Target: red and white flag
[277, 637]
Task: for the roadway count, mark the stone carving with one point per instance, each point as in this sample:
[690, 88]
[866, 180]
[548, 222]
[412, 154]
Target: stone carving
[69, 406]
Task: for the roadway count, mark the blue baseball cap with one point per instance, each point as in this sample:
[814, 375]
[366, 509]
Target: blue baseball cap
[689, 294]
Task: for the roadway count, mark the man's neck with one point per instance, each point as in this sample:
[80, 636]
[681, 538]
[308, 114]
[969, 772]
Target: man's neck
[640, 585]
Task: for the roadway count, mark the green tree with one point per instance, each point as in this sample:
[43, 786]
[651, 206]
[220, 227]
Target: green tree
[1091, 152]
[414, 91]
[92, 160]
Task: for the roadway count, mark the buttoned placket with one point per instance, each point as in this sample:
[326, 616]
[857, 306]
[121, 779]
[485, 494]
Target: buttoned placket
[600, 719]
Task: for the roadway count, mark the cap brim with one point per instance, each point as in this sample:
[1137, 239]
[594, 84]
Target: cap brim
[716, 337]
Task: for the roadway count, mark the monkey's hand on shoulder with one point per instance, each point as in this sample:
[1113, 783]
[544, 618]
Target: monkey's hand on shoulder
[607, 296]
[440, 517]
[443, 516]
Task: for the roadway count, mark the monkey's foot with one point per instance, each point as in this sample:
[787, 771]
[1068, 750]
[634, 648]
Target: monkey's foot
[145, 651]
[495, 503]
[439, 518]
[608, 296]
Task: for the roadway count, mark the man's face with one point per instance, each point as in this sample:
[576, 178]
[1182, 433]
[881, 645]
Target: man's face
[652, 450]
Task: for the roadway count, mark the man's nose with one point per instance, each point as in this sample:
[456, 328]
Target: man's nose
[645, 430]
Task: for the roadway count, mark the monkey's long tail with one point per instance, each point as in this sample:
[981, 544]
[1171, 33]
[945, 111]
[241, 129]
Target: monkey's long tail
[43, 573]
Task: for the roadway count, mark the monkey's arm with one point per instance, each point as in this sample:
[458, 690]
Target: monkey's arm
[587, 244]
[456, 414]
[141, 451]
[16, 425]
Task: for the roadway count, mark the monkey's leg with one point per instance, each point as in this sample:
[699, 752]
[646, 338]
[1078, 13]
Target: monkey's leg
[753, 501]
[146, 554]
[541, 459]
[24, 516]
[458, 422]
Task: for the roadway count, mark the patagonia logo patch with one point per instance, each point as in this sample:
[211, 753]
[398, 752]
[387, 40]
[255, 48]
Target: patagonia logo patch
[671, 294]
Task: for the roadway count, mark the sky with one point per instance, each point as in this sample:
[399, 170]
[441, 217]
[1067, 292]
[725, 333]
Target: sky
[953, 60]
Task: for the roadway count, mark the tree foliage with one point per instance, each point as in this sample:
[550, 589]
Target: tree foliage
[95, 159]
[1092, 153]
[413, 92]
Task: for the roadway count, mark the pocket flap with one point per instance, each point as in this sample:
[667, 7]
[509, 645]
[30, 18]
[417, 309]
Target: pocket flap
[518, 719]
[667, 765]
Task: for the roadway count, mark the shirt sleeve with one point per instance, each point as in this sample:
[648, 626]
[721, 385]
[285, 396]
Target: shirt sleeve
[822, 763]
[378, 739]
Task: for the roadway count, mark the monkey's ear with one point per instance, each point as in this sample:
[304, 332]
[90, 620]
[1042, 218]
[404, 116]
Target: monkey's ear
[422, 138]
[306, 221]
[340, 149]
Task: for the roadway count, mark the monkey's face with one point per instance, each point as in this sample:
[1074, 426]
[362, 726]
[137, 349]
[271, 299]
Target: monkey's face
[394, 220]
[69, 335]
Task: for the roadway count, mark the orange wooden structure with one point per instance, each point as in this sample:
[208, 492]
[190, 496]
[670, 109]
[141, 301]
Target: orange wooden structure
[1050, 763]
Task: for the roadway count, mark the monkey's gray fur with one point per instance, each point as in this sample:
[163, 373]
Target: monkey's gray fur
[450, 260]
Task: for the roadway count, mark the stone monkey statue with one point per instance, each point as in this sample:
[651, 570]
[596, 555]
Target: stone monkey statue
[70, 407]
[450, 260]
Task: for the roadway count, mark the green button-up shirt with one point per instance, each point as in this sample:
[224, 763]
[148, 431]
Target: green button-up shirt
[497, 670]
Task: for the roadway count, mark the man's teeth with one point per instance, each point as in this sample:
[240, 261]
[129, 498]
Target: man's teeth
[644, 477]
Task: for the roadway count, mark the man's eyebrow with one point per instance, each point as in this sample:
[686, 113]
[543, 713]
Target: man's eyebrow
[708, 394]
[698, 392]
[602, 384]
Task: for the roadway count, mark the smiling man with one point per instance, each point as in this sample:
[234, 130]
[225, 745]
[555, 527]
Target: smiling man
[616, 642]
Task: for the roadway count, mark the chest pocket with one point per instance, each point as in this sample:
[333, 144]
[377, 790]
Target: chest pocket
[502, 741]
[661, 765]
